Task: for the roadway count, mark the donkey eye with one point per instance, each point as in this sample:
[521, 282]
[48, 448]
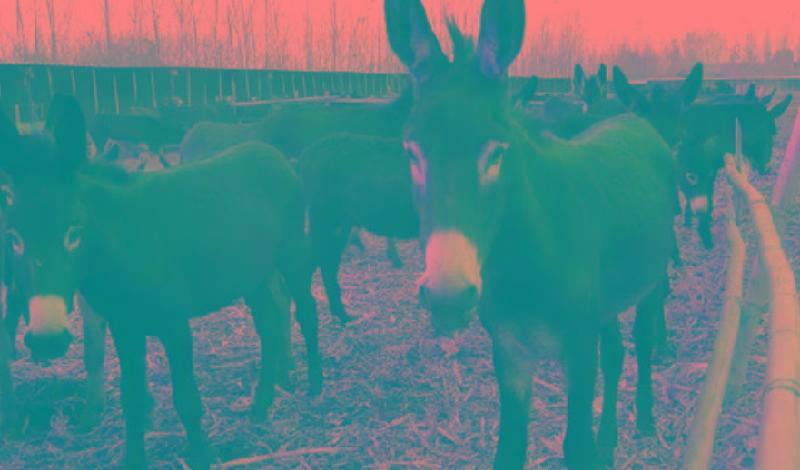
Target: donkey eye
[73, 237]
[17, 243]
[8, 193]
[691, 178]
[490, 161]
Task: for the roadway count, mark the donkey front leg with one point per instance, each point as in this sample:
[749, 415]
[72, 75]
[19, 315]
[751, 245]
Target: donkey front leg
[131, 349]
[94, 348]
[9, 409]
[185, 395]
[580, 448]
[514, 383]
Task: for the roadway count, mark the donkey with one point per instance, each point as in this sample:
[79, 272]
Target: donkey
[354, 181]
[149, 251]
[587, 224]
[709, 133]
[16, 276]
[291, 129]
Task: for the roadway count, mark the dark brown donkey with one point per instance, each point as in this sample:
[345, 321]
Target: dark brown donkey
[149, 251]
[543, 236]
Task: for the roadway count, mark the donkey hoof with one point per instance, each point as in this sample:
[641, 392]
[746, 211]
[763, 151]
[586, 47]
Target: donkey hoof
[88, 420]
[647, 429]
[605, 456]
[344, 317]
[665, 354]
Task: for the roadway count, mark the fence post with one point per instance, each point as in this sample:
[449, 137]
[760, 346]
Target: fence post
[50, 80]
[94, 83]
[153, 88]
[116, 95]
[189, 87]
[72, 74]
[135, 91]
[247, 84]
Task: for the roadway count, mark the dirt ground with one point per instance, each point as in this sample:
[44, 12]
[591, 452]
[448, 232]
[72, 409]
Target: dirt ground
[395, 396]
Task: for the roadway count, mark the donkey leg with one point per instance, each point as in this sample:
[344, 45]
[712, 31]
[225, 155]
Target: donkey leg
[185, 395]
[94, 348]
[285, 363]
[328, 238]
[15, 308]
[9, 409]
[271, 323]
[355, 239]
[131, 349]
[514, 383]
[649, 312]
[391, 252]
[704, 222]
[330, 260]
[580, 448]
[612, 358]
[291, 262]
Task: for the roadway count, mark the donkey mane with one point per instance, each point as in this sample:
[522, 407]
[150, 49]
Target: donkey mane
[463, 44]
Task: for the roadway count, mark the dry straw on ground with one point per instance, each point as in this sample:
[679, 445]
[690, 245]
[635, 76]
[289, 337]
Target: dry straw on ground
[394, 396]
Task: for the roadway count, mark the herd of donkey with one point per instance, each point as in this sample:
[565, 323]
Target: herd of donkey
[552, 220]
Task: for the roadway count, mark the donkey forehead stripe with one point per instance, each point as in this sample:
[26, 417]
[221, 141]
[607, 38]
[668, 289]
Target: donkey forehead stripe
[451, 260]
[48, 315]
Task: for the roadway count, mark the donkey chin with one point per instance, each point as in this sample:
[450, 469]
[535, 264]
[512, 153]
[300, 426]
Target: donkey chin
[48, 337]
[450, 288]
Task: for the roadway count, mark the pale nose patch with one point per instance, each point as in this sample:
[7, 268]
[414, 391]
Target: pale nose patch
[451, 264]
[699, 204]
[48, 315]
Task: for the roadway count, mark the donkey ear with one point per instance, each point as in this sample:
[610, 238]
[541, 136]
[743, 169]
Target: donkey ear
[780, 108]
[578, 81]
[628, 95]
[412, 39]
[501, 35]
[767, 98]
[751, 92]
[56, 108]
[691, 86]
[69, 129]
[602, 74]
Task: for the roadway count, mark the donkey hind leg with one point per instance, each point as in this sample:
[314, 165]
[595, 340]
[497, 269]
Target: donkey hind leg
[132, 352]
[292, 263]
[514, 384]
[179, 350]
[16, 307]
[612, 358]
[391, 252]
[704, 222]
[285, 363]
[272, 323]
[649, 312]
[580, 448]
[355, 239]
[94, 348]
[330, 259]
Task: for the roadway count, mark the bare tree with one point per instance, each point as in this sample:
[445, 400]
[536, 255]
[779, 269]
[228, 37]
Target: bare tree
[107, 14]
[22, 42]
[308, 43]
[767, 46]
[750, 45]
[155, 8]
[334, 35]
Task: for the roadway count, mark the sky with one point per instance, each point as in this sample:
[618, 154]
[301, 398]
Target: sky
[603, 21]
